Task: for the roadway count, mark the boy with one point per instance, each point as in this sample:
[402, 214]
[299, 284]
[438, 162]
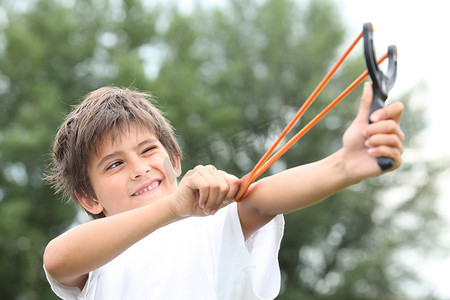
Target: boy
[117, 157]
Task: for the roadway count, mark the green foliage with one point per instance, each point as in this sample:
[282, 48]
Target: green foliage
[229, 80]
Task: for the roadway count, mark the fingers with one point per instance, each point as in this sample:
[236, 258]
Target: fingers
[384, 137]
[393, 111]
[366, 101]
[213, 191]
[216, 189]
[389, 127]
[388, 145]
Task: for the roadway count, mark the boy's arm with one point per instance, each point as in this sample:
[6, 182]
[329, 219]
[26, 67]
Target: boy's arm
[71, 256]
[304, 185]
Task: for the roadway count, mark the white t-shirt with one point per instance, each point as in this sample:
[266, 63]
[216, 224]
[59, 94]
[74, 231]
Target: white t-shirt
[196, 258]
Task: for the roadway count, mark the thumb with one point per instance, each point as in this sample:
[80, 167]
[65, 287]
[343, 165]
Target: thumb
[366, 102]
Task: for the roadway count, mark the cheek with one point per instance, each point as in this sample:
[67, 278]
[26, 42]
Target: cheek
[110, 189]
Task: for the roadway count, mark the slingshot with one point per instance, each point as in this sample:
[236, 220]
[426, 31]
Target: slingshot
[382, 84]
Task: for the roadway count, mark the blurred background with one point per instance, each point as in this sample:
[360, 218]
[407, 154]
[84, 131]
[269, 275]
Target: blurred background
[230, 75]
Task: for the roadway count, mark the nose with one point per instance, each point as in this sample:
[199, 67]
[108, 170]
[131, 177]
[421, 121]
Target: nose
[140, 168]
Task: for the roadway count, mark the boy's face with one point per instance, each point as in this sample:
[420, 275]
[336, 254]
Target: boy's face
[130, 172]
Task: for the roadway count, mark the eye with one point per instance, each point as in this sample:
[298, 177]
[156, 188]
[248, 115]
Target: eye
[148, 149]
[114, 165]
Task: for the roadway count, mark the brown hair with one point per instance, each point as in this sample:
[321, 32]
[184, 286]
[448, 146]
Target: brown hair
[104, 111]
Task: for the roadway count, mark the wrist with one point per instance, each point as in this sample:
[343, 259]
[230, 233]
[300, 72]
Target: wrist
[174, 211]
[339, 162]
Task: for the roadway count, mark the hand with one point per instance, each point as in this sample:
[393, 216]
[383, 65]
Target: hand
[363, 142]
[203, 191]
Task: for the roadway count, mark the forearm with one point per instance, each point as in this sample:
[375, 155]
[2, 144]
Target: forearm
[301, 186]
[95, 243]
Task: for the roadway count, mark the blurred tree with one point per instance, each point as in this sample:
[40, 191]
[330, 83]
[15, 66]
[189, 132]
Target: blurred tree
[51, 54]
[229, 78]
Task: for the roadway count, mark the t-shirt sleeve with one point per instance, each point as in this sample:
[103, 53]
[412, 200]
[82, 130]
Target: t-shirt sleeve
[248, 269]
[263, 247]
[66, 292]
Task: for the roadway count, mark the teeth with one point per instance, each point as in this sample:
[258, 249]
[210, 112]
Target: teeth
[148, 188]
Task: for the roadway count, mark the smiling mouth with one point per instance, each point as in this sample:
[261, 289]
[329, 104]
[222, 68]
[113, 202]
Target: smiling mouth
[150, 187]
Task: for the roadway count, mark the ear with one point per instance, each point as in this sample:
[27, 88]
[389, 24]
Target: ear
[89, 204]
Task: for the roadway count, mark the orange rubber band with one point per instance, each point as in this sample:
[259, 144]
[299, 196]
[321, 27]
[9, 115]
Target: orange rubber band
[267, 160]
